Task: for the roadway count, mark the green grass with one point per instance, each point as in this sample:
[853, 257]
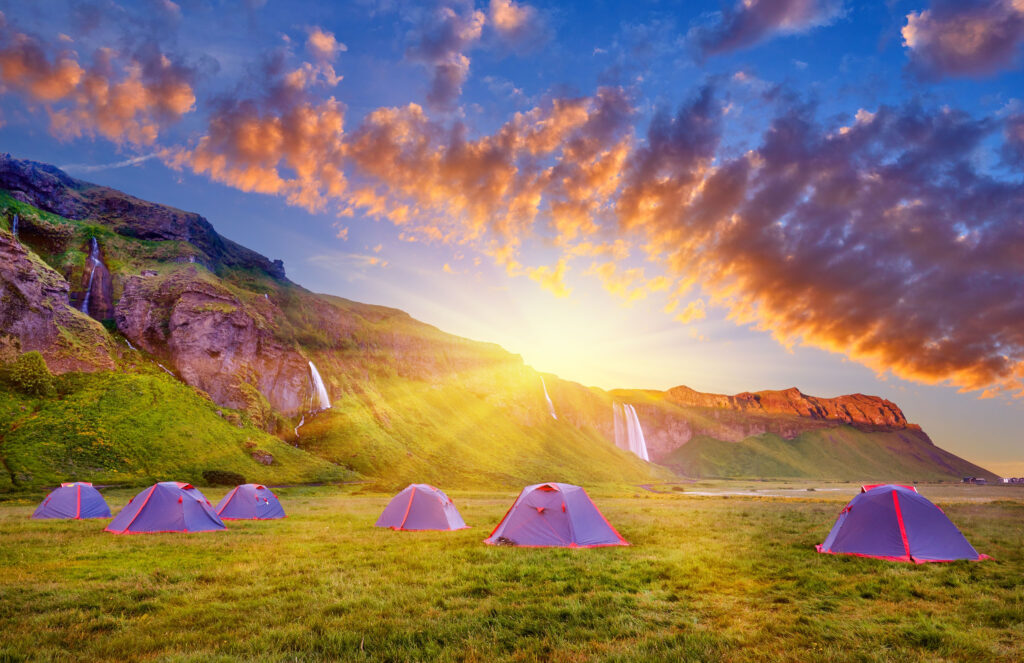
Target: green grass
[405, 431]
[707, 579]
[135, 428]
[843, 453]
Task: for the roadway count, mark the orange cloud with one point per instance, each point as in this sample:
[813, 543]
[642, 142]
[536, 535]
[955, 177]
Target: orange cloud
[323, 46]
[287, 143]
[124, 98]
[552, 279]
[965, 39]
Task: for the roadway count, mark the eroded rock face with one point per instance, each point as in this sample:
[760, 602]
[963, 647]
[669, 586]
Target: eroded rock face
[96, 296]
[854, 409]
[214, 341]
[34, 309]
[49, 188]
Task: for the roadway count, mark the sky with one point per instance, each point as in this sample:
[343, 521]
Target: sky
[733, 196]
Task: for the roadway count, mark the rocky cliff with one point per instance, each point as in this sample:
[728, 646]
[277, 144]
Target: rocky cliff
[410, 401]
[854, 409]
[35, 314]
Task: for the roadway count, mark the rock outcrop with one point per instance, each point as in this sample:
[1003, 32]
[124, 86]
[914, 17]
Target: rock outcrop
[214, 340]
[855, 409]
[50, 189]
[34, 310]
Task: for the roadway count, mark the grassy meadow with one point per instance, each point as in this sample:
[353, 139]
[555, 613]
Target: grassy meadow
[708, 578]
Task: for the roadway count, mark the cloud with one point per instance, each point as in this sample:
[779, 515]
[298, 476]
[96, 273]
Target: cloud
[965, 38]
[323, 46]
[694, 311]
[26, 66]
[1013, 148]
[546, 164]
[882, 242]
[753, 21]
[124, 97]
[94, 168]
[518, 25]
[438, 43]
[287, 142]
[552, 279]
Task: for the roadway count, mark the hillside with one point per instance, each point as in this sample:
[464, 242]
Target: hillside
[104, 284]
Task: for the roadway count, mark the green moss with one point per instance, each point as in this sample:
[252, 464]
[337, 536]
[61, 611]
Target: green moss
[134, 428]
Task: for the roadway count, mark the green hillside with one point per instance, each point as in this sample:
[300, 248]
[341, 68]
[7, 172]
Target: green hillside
[843, 453]
[410, 402]
[401, 431]
[136, 428]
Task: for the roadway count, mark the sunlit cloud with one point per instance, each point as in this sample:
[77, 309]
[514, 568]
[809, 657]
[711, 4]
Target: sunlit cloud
[123, 97]
[752, 21]
[439, 43]
[955, 38]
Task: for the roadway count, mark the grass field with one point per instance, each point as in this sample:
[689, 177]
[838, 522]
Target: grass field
[708, 578]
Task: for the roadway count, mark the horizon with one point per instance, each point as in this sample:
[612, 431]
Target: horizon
[554, 243]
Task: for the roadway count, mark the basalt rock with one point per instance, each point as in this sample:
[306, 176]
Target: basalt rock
[50, 189]
[214, 340]
[34, 309]
[855, 409]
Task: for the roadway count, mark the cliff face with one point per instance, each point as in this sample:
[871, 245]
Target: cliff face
[225, 321]
[854, 409]
[213, 340]
[35, 313]
[48, 188]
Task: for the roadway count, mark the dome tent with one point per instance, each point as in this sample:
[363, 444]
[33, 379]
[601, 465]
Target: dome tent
[896, 523]
[250, 501]
[168, 506]
[75, 500]
[554, 514]
[421, 507]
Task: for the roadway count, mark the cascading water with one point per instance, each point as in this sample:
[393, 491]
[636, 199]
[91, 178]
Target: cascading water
[319, 400]
[628, 432]
[551, 406]
[94, 258]
[14, 226]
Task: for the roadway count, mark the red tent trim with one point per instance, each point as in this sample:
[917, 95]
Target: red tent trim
[899, 519]
[130, 522]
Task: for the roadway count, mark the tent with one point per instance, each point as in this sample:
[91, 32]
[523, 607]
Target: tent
[168, 506]
[250, 501]
[421, 507]
[76, 500]
[898, 524]
[554, 514]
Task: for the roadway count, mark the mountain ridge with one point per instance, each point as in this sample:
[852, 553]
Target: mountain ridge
[227, 322]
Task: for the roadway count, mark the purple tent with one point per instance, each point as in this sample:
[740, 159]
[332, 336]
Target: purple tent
[421, 507]
[250, 501]
[896, 523]
[554, 514]
[169, 506]
[73, 500]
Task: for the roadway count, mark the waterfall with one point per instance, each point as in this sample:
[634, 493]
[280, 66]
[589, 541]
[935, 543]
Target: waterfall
[628, 432]
[320, 400]
[14, 226]
[551, 406]
[166, 370]
[94, 258]
[129, 343]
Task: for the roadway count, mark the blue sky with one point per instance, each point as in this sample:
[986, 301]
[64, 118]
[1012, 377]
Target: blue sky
[730, 196]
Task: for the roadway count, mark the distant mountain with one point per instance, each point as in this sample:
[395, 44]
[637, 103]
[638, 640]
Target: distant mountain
[100, 282]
